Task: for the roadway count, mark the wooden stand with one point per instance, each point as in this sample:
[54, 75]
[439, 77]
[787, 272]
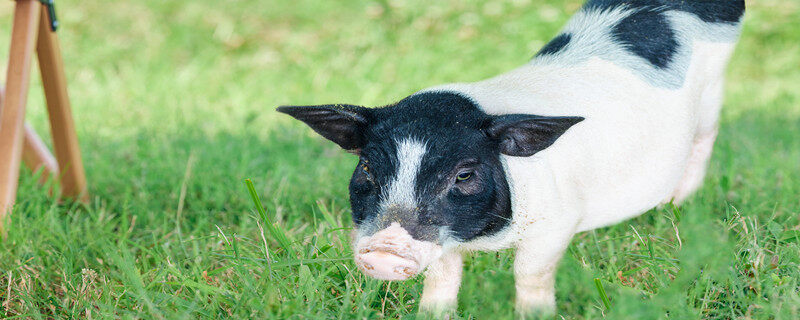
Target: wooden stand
[32, 30]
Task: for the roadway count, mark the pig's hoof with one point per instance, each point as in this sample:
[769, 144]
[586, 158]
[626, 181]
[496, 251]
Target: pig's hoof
[386, 266]
[437, 309]
[536, 311]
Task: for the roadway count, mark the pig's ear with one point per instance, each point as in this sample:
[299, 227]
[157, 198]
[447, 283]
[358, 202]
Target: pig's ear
[523, 135]
[340, 123]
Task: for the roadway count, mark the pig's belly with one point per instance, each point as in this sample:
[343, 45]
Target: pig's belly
[641, 191]
[648, 178]
[623, 181]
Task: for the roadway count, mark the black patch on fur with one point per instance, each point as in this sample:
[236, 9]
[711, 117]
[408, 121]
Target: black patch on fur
[556, 45]
[647, 32]
[713, 11]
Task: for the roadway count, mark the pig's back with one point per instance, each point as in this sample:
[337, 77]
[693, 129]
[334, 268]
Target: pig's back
[641, 74]
[655, 39]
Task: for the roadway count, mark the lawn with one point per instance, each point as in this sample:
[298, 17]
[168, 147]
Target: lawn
[174, 103]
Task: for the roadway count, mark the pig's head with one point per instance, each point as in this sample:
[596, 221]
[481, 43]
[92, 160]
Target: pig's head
[430, 174]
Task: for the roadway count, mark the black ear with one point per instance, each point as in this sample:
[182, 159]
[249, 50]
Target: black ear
[523, 135]
[340, 123]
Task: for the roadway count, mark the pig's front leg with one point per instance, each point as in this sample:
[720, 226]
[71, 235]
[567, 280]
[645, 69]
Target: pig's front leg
[442, 280]
[535, 269]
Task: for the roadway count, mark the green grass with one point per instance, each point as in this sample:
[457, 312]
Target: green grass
[174, 102]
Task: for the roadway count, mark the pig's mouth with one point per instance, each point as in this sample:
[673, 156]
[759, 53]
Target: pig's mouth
[392, 254]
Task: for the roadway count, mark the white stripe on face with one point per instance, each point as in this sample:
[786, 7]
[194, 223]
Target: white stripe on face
[401, 191]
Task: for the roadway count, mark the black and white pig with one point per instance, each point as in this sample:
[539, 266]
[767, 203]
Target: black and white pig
[616, 115]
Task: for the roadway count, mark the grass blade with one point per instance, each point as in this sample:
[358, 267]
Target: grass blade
[274, 231]
[602, 292]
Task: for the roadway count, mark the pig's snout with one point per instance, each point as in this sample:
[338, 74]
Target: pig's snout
[387, 266]
[392, 254]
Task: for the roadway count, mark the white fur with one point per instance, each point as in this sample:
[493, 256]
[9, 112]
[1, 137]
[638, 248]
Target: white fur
[442, 280]
[401, 189]
[696, 166]
[647, 137]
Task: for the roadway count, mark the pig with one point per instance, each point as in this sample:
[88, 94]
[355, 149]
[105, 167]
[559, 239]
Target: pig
[616, 115]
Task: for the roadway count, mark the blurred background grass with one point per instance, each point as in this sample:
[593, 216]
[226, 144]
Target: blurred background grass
[174, 105]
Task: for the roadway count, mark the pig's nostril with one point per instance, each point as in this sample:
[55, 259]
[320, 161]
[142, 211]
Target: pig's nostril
[386, 265]
[406, 271]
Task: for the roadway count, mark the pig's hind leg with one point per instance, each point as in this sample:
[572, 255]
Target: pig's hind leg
[442, 280]
[696, 168]
[710, 104]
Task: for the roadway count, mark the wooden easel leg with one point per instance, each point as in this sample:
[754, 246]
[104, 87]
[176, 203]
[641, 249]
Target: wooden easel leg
[23, 36]
[36, 155]
[34, 152]
[65, 139]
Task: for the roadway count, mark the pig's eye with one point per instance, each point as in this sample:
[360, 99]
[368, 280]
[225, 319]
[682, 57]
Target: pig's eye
[365, 170]
[464, 176]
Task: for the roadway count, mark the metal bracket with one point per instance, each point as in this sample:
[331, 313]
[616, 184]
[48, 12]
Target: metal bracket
[51, 11]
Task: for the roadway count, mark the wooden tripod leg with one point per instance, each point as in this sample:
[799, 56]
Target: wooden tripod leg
[62, 126]
[37, 157]
[23, 38]
[34, 151]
